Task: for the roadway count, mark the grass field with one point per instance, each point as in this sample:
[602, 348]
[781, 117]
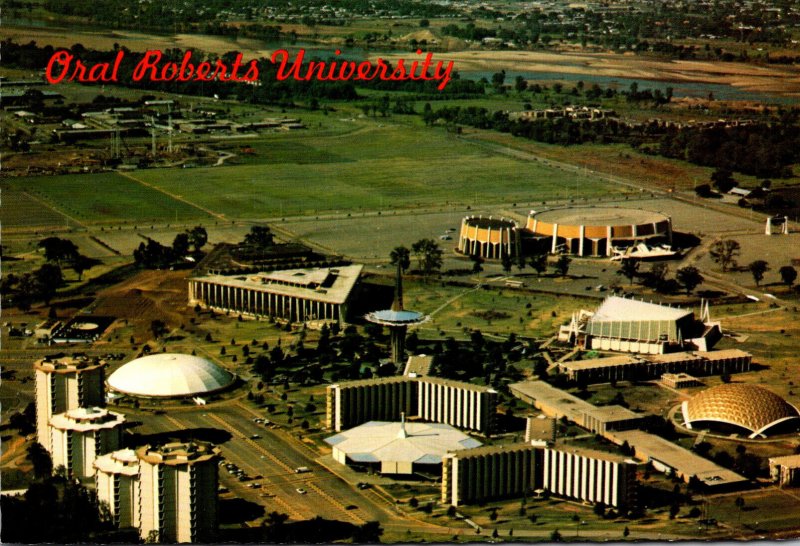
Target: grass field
[490, 311]
[382, 168]
[377, 167]
[19, 209]
[104, 198]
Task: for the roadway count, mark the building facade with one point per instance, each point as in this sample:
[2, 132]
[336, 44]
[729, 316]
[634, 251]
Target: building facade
[117, 484]
[594, 231]
[297, 295]
[486, 473]
[491, 238]
[785, 471]
[78, 436]
[491, 472]
[590, 476]
[454, 403]
[64, 384]
[637, 368]
[178, 492]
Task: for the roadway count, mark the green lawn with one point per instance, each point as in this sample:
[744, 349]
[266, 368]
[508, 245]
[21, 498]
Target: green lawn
[380, 168]
[107, 198]
[371, 167]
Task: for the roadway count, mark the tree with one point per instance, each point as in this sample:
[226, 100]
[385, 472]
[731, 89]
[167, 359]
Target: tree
[538, 263]
[401, 255]
[180, 244]
[507, 263]
[48, 279]
[629, 268]
[723, 180]
[788, 275]
[58, 250]
[757, 269]
[429, 255]
[198, 237]
[477, 263]
[260, 236]
[368, 533]
[703, 190]
[725, 252]
[80, 264]
[739, 502]
[626, 532]
[562, 265]
[555, 536]
[689, 277]
[158, 328]
[41, 461]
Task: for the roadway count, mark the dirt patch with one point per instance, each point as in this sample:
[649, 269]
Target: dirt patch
[148, 296]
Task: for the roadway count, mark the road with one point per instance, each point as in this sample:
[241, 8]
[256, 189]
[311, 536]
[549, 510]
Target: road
[274, 456]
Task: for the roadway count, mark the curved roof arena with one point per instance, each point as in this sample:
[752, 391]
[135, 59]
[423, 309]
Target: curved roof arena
[750, 407]
[599, 216]
[169, 375]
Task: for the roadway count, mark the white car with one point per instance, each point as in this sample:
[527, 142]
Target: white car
[301, 490]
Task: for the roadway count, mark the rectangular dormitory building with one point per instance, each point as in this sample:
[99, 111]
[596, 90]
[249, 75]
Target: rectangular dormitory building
[493, 472]
[297, 295]
[434, 399]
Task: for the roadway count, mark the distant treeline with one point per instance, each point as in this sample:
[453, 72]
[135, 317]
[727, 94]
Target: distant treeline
[200, 15]
[763, 149]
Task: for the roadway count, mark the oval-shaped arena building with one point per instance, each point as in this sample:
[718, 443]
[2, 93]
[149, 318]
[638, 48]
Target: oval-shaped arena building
[488, 237]
[739, 407]
[169, 375]
[593, 231]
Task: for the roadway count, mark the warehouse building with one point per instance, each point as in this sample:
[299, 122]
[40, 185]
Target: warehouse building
[62, 384]
[79, 435]
[296, 295]
[434, 399]
[486, 473]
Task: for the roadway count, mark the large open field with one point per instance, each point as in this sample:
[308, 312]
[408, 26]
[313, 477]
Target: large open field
[107, 197]
[383, 167]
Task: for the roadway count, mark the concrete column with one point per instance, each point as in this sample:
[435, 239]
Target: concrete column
[555, 239]
[581, 233]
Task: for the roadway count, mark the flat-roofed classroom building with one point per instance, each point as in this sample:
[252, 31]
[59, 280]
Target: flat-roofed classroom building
[297, 295]
[79, 435]
[455, 403]
[637, 368]
[492, 472]
[785, 471]
[556, 403]
[65, 383]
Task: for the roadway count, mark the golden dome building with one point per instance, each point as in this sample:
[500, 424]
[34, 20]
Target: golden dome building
[740, 407]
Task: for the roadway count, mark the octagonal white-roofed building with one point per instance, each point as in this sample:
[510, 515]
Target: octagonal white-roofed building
[170, 375]
[399, 447]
